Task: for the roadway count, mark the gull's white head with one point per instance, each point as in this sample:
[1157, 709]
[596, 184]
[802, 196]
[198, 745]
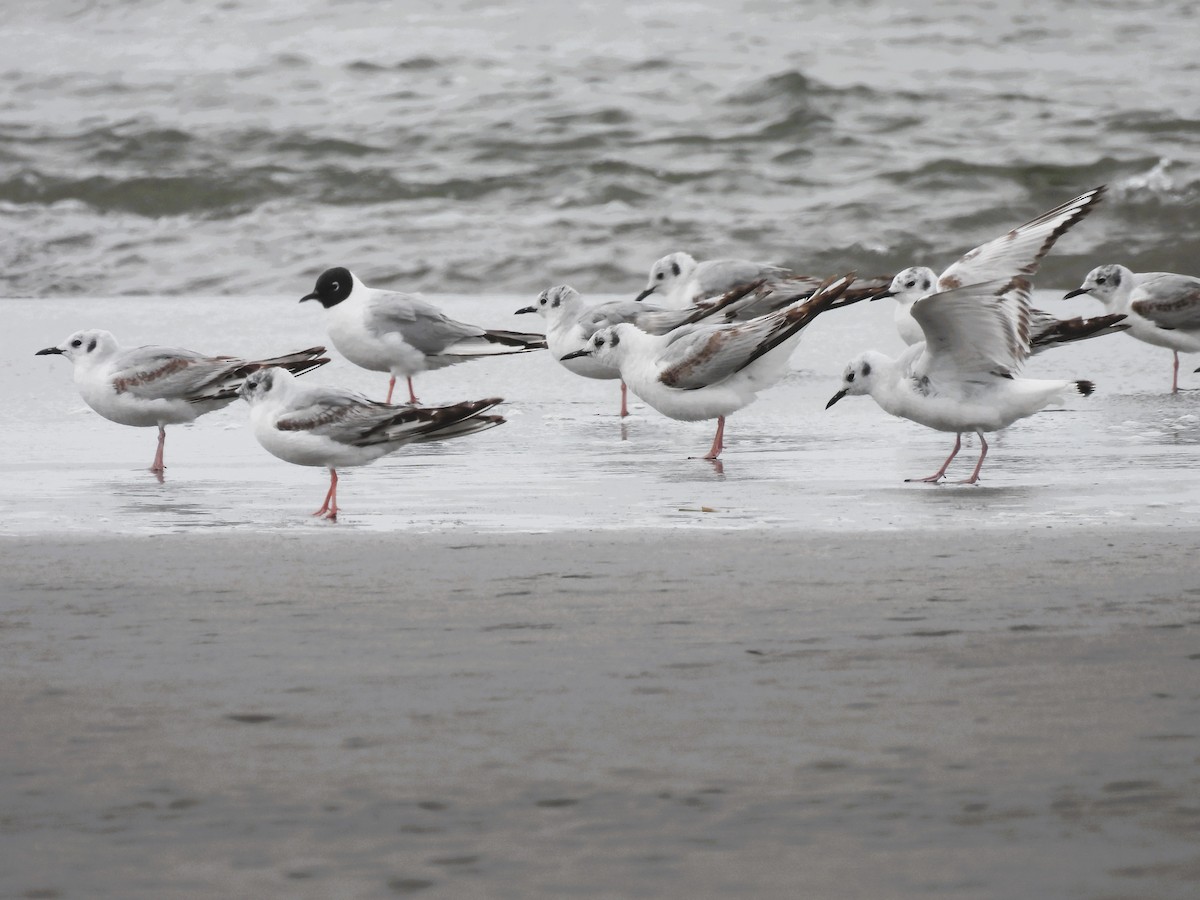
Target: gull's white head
[553, 303]
[87, 347]
[269, 383]
[672, 269]
[606, 345]
[859, 376]
[1108, 284]
[911, 285]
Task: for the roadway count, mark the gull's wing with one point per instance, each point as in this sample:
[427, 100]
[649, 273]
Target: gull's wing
[1047, 330]
[975, 330]
[172, 373]
[418, 321]
[615, 312]
[1021, 250]
[702, 354]
[1169, 301]
[350, 418]
[720, 276]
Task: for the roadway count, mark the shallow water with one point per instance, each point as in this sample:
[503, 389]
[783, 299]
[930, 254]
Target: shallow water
[175, 147]
[564, 461]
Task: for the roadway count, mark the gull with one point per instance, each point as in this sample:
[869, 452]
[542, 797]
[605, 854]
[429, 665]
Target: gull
[326, 426]
[707, 371]
[1162, 308]
[963, 377]
[402, 334]
[570, 323]
[1017, 253]
[678, 281]
[146, 386]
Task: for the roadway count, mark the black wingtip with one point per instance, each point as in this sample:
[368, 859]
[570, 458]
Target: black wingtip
[1085, 388]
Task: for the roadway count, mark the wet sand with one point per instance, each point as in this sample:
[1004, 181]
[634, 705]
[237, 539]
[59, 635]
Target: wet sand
[982, 714]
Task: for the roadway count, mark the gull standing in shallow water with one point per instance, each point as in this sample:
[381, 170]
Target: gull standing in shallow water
[1019, 252]
[570, 323]
[709, 371]
[963, 377]
[160, 386]
[401, 334]
[1162, 308]
[330, 427]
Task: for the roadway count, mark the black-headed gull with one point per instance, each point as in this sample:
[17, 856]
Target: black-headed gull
[160, 386]
[324, 426]
[401, 334]
[1017, 253]
[963, 377]
[709, 371]
[1162, 308]
[571, 322]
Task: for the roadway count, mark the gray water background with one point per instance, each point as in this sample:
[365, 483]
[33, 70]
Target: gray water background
[470, 146]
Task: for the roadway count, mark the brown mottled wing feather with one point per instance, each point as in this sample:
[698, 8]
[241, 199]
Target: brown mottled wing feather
[704, 353]
[1046, 330]
[171, 373]
[1020, 251]
[350, 418]
[1168, 300]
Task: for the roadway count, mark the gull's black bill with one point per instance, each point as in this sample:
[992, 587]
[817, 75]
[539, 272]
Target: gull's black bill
[1075, 293]
[643, 295]
[48, 351]
[835, 398]
[584, 352]
[525, 309]
[312, 296]
[887, 293]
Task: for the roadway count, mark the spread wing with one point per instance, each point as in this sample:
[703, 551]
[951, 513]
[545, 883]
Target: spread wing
[419, 322]
[1168, 300]
[1021, 250]
[978, 330]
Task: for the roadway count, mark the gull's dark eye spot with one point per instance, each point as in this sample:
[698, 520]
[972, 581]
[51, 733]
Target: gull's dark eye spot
[77, 343]
[926, 285]
[542, 301]
[866, 369]
[91, 345]
[661, 275]
[615, 340]
[850, 377]
[675, 268]
[556, 303]
[910, 284]
[599, 342]
[1101, 279]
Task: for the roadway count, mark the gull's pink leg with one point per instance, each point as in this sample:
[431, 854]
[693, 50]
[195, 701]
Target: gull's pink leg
[157, 466]
[1175, 374]
[718, 441]
[412, 398]
[934, 478]
[391, 388]
[329, 507]
[624, 395]
[979, 465]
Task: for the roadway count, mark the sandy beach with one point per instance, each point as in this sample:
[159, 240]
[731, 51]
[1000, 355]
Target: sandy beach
[640, 714]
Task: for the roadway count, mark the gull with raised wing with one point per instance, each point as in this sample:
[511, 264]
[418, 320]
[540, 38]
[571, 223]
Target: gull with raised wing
[571, 322]
[1017, 253]
[160, 386]
[709, 371]
[963, 377]
[1162, 308]
[324, 426]
[402, 334]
